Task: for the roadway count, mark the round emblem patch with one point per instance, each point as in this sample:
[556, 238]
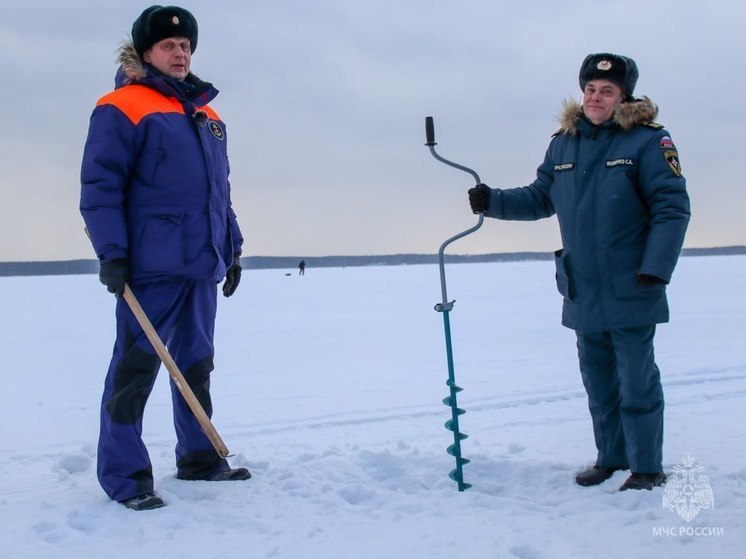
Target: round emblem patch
[175, 20]
[216, 130]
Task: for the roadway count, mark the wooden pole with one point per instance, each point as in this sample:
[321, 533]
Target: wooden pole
[175, 373]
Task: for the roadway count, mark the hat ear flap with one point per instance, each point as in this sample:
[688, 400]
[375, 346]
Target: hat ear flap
[631, 76]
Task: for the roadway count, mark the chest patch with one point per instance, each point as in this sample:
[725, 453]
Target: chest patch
[216, 130]
[564, 167]
[620, 161]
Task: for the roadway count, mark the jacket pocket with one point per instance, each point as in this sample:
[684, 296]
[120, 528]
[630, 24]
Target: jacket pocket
[161, 244]
[562, 276]
[624, 266]
[148, 169]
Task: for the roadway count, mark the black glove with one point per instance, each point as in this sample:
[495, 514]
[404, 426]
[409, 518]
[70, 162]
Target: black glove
[114, 274]
[232, 277]
[647, 279]
[479, 198]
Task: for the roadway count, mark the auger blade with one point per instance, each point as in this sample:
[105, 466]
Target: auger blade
[452, 448]
[450, 425]
[458, 477]
[449, 401]
[454, 386]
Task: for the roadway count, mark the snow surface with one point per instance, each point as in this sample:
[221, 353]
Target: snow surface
[329, 388]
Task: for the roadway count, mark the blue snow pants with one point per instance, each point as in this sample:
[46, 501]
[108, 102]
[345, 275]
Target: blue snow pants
[625, 397]
[182, 311]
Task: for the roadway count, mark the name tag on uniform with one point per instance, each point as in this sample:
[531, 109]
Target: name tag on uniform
[564, 167]
[620, 161]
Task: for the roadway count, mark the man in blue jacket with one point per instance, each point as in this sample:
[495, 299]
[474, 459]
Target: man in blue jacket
[612, 176]
[155, 198]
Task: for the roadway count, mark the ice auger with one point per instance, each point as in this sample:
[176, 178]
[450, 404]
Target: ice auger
[445, 307]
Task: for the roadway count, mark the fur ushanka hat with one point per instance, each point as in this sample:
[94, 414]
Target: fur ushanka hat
[161, 22]
[618, 69]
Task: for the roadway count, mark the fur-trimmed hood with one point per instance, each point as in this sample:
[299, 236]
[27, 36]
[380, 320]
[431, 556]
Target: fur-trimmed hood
[131, 67]
[627, 115]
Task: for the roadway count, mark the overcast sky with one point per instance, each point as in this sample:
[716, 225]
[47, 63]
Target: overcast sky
[325, 102]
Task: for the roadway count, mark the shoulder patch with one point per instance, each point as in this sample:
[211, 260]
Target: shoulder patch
[667, 143]
[672, 158]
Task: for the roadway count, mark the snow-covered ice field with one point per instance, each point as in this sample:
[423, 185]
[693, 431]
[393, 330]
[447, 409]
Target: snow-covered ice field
[328, 387]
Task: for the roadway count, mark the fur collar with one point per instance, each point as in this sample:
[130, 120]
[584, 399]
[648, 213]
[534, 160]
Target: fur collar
[132, 68]
[130, 64]
[627, 115]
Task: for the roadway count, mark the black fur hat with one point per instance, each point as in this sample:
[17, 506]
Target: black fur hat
[161, 22]
[618, 69]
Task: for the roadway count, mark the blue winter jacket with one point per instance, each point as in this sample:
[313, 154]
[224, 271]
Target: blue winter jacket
[154, 177]
[623, 210]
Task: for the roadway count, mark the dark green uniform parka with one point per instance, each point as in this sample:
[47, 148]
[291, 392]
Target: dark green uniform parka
[623, 210]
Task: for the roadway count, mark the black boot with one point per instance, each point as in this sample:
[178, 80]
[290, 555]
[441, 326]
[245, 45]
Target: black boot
[596, 474]
[643, 481]
[234, 474]
[149, 501]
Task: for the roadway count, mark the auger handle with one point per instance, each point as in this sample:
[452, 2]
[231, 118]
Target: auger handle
[431, 143]
[430, 132]
[430, 137]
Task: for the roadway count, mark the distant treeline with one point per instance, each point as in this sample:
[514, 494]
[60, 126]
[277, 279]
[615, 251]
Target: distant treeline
[67, 267]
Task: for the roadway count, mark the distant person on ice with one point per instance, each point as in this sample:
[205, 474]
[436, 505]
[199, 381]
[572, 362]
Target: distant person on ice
[612, 176]
[156, 201]
[302, 268]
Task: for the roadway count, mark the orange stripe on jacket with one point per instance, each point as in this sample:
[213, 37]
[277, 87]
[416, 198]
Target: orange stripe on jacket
[138, 101]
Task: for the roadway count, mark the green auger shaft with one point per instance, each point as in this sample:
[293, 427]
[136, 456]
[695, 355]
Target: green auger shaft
[451, 400]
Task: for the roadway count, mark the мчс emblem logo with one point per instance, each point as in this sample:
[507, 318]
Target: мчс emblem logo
[216, 130]
[672, 158]
[688, 490]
